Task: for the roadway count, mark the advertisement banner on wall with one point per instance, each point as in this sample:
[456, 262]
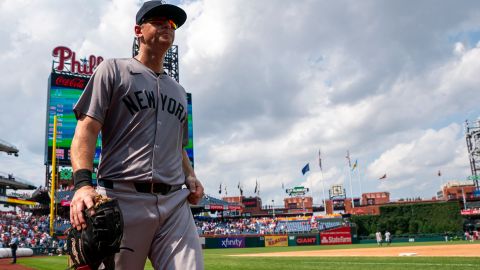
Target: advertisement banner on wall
[216, 207]
[231, 242]
[276, 241]
[307, 240]
[470, 212]
[338, 236]
[250, 202]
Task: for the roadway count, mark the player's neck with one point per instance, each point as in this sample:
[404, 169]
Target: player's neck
[153, 61]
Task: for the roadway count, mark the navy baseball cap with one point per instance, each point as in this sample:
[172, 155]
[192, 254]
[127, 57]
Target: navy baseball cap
[158, 8]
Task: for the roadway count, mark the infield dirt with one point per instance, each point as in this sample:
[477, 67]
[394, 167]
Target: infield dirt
[460, 250]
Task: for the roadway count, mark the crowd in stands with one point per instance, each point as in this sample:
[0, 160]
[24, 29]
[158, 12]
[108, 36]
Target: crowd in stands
[265, 225]
[33, 231]
[23, 195]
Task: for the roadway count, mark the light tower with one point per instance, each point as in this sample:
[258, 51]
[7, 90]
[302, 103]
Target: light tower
[472, 134]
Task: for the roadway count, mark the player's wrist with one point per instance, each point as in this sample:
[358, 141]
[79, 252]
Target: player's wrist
[190, 175]
[82, 178]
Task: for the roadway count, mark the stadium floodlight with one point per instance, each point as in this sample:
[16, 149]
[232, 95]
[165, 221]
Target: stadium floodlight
[8, 148]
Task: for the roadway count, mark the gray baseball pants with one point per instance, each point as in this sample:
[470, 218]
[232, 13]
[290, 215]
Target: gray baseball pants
[158, 227]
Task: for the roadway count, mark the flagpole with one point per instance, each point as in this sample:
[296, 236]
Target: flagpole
[323, 193]
[350, 180]
[440, 178]
[359, 181]
[323, 182]
[309, 182]
[351, 188]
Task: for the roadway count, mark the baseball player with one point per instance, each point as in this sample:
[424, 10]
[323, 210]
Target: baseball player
[388, 239]
[142, 114]
[378, 236]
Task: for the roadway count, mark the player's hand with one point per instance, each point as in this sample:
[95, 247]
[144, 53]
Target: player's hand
[83, 199]
[196, 190]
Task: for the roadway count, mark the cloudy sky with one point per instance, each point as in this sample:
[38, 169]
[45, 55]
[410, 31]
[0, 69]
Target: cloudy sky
[274, 82]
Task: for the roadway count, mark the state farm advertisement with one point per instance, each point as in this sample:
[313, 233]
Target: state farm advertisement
[338, 236]
[276, 241]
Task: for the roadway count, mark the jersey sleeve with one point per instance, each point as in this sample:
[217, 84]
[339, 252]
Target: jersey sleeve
[95, 98]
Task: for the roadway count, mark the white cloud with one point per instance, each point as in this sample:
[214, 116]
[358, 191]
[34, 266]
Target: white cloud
[417, 162]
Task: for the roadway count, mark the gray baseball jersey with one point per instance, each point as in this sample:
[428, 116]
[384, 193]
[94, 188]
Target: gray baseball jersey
[144, 118]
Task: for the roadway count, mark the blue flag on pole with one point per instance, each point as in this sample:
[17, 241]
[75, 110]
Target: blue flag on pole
[306, 169]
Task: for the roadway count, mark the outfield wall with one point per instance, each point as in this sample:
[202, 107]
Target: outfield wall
[337, 236]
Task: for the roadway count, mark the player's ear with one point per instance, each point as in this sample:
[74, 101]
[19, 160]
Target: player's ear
[138, 31]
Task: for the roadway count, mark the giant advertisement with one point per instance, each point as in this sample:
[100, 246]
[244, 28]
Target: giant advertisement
[276, 240]
[306, 240]
[338, 236]
[303, 240]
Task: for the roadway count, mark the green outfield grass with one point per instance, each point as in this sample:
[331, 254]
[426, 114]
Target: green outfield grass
[220, 259]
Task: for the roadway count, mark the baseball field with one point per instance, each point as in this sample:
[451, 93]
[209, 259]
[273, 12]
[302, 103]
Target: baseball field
[401, 256]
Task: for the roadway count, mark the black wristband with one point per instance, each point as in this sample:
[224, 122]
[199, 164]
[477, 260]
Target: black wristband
[81, 178]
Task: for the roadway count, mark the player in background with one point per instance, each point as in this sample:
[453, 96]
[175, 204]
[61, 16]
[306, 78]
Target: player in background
[378, 236]
[388, 238]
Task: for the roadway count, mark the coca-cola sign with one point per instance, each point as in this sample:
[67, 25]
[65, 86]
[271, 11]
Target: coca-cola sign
[66, 57]
[71, 82]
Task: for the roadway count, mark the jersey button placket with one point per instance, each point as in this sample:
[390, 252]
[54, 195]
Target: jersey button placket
[156, 145]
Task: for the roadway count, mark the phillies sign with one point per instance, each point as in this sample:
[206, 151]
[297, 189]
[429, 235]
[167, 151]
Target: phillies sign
[66, 57]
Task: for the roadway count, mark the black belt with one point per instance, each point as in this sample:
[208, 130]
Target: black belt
[161, 188]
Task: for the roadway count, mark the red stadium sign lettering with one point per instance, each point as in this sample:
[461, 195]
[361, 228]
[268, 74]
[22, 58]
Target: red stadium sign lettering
[234, 207]
[336, 236]
[216, 207]
[67, 57]
[71, 82]
[470, 212]
[306, 240]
